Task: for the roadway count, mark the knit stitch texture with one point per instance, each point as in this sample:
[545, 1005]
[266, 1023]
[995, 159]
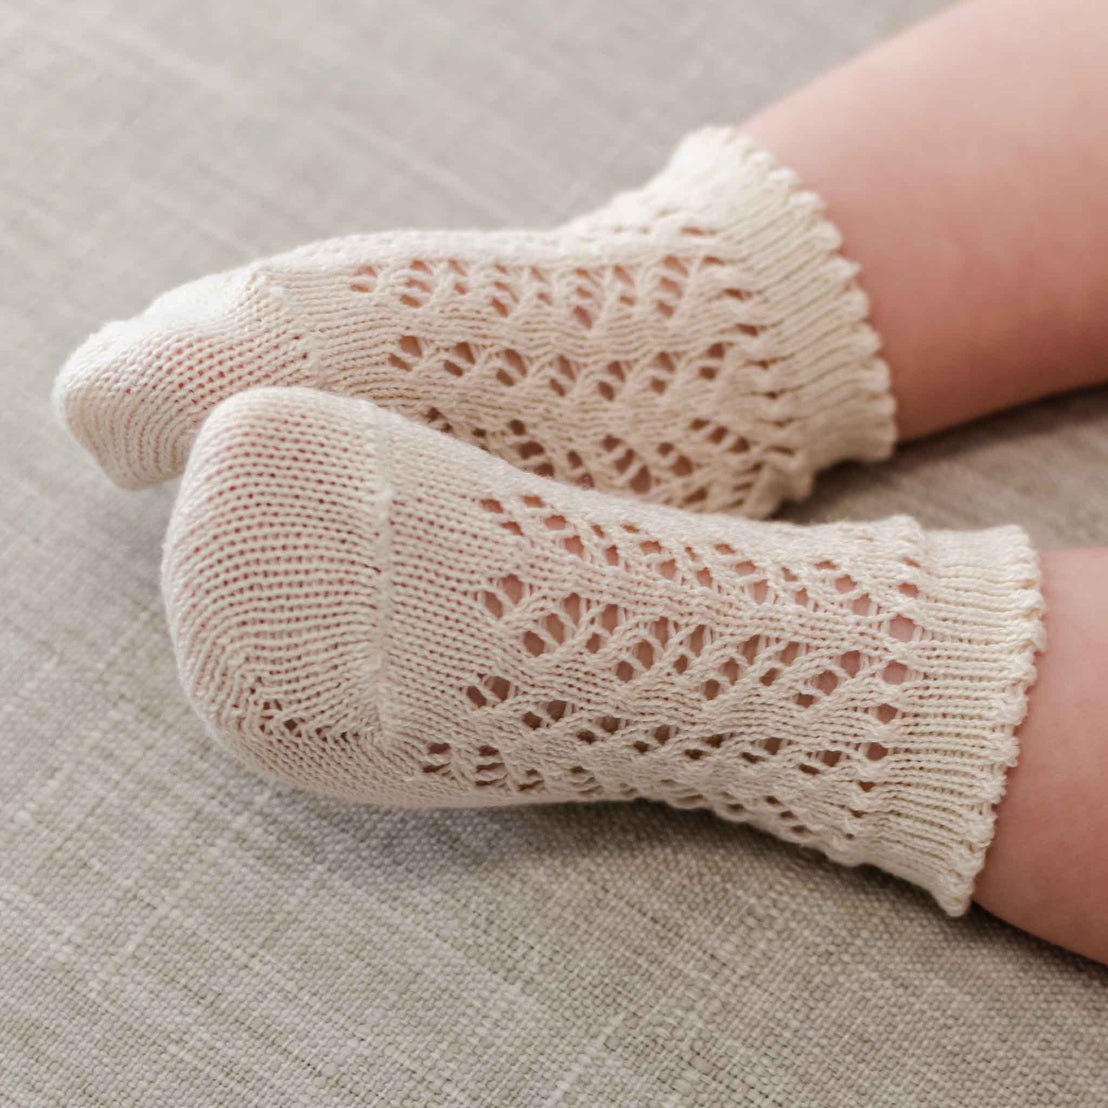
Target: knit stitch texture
[698, 342]
[371, 610]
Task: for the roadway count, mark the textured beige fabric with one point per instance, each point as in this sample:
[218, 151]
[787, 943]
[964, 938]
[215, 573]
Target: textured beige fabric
[174, 932]
[697, 341]
[372, 610]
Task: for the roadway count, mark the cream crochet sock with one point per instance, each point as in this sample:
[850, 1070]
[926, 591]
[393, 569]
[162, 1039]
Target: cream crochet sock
[371, 610]
[697, 342]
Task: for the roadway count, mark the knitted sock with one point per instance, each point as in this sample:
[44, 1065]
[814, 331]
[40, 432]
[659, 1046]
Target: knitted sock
[371, 610]
[697, 342]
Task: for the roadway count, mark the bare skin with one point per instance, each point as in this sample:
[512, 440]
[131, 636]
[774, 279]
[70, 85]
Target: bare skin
[962, 162]
[1047, 868]
[965, 164]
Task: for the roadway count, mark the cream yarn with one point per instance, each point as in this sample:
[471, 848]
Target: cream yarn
[697, 342]
[371, 610]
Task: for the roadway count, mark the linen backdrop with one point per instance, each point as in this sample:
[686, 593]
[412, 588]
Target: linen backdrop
[175, 932]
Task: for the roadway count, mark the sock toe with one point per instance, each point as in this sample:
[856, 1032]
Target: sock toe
[135, 392]
[274, 576]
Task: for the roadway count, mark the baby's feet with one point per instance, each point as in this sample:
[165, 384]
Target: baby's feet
[697, 342]
[368, 609]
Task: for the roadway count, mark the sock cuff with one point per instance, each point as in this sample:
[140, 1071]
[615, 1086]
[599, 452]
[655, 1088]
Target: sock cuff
[975, 602]
[817, 391]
